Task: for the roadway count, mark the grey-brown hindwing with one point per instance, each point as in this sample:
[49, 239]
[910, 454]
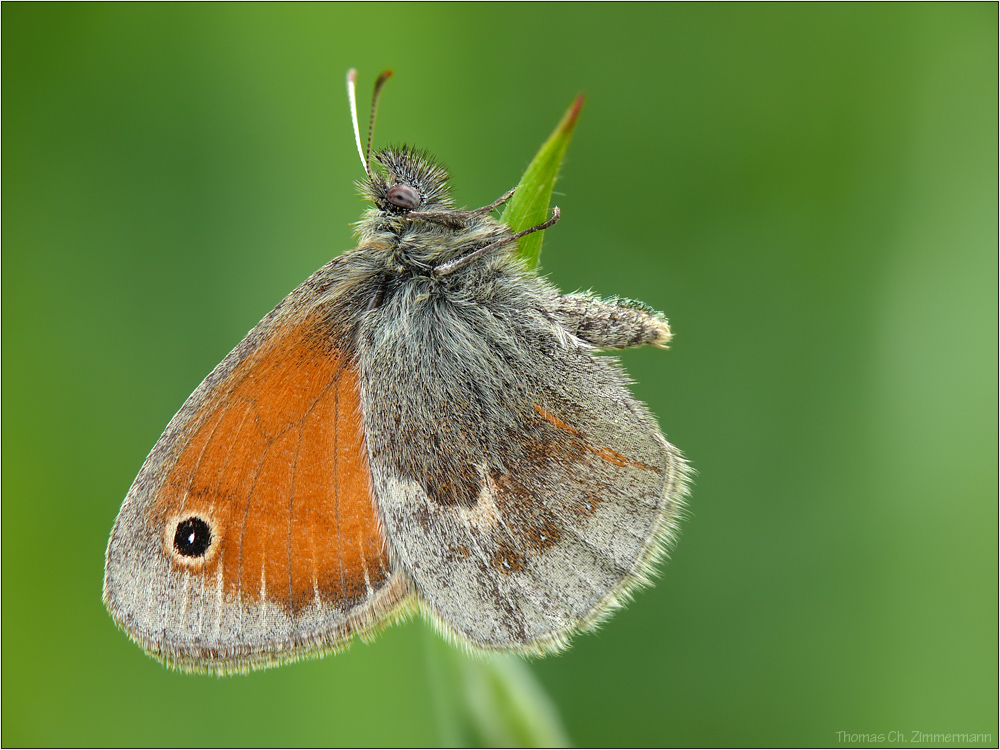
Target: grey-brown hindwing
[521, 486]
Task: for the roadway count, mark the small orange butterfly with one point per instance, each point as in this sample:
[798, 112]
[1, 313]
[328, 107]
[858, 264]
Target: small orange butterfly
[421, 424]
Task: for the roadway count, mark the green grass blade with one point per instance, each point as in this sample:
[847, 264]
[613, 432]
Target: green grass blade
[492, 701]
[530, 205]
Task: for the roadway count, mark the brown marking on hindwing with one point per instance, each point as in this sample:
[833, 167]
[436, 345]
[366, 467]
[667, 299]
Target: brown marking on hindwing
[584, 507]
[456, 553]
[276, 465]
[506, 559]
[536, 527]
[604, 453]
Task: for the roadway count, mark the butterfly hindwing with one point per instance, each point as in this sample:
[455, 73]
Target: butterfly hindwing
[521, 486]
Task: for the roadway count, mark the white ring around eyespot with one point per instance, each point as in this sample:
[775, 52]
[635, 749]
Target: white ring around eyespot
[192, 564]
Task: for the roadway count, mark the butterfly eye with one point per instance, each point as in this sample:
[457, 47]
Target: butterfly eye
[403, 196]
[193, 537]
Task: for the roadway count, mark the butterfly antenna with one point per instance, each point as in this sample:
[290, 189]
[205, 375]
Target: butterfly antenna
[384, 76]
[352, 74]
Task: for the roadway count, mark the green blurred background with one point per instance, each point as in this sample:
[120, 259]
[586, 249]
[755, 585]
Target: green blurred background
[809, 193]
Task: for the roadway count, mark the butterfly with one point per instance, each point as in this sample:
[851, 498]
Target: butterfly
[421, 425]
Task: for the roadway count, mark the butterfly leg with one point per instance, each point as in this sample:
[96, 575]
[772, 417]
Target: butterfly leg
[614, 323]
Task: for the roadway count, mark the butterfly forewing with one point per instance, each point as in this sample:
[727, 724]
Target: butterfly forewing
[251, 533]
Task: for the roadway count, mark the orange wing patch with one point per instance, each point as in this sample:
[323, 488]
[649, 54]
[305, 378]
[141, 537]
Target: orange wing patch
[277, 468]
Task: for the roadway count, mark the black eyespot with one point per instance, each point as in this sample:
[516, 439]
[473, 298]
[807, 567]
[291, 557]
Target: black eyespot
[193, 537]
[403, 196]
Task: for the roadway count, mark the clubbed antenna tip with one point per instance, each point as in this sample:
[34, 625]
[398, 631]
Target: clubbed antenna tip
[364, 153]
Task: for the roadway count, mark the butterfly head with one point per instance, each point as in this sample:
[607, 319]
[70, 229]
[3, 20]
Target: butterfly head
[412, 181]
[409, 188]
